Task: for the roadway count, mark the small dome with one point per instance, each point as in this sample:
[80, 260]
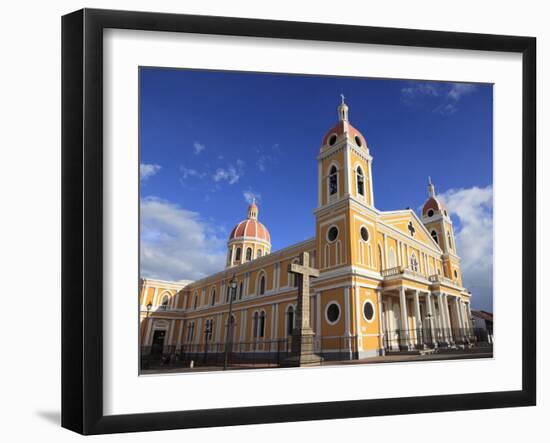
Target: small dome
[338, 130]
[433, 204]
[251, 227]
[343, 127]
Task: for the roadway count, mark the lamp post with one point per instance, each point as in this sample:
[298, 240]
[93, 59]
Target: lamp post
[229, 331]
[207, 332]
[149, 306]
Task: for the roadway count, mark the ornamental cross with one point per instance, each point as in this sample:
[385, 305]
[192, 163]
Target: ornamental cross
[411, 228]
[303, 272]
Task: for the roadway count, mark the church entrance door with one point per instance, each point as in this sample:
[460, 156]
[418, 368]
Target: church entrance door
[158, 343]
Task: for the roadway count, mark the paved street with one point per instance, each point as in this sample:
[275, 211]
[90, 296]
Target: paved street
[400, 358]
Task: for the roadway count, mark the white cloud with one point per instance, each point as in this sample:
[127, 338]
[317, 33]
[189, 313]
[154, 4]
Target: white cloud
[474, 209]
[251, 196]
[176, 244]
[190, 172]
[231, 174]
[441, 98]
[419, 89]
[148, 170]
[459, 89]
[198, 147]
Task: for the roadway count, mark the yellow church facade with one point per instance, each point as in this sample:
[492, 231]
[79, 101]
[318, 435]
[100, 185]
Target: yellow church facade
[390, 281]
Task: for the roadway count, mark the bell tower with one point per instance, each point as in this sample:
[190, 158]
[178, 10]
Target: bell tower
[344, 164]
[437, 220]
[344, 185]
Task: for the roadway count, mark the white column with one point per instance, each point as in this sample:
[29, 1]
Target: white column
[243, 325]
[404, 316]
[346, 308]
[447, 314]
[357, 316]
[149, 322]
[442, 319]
[380, 326]
[318, 325]
[346, 172]
[319, 184]
[274, 324]
[198, 331]
[369, 164]
[429, 307]
[417, 317]
[385, 251]
[178, 336]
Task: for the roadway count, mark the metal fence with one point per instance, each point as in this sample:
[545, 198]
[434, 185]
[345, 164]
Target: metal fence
[260, 353]
[436, 338]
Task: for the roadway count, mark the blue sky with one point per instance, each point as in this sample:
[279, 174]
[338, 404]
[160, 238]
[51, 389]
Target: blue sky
[209, 140]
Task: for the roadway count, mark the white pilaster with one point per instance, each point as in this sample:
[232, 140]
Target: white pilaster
[417, 316]
[380, 325]
[358, 331]
[346, 313]
[404, 326]
[318, 324]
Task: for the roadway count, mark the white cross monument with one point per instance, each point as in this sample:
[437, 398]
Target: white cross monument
[302, 335]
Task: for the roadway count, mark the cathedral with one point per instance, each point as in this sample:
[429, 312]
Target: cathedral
[389, 281]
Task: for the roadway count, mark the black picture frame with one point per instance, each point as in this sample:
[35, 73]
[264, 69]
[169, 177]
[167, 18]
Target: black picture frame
[82, 215]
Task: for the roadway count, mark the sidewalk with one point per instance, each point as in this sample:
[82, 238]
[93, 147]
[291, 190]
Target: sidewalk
[383, 359]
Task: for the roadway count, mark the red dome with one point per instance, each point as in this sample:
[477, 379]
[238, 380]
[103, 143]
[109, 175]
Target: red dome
[250, 228]
[434, 204]
[338, 130]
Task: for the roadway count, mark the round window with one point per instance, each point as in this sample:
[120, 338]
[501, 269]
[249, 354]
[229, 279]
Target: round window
[368, 310]
[364, 234]
[358, 141]
[332, 140]
[332, 233]
[333, 313]
[431, 213]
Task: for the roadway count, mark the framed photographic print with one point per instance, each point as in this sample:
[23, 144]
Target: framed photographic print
[281, 221]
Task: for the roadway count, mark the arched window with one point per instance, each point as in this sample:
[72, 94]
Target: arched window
[262, 324]
[261, 285]
[164, 302]
[238, 254]
[255, 325]
[360, 181]
[213, 297]
[227, 294]
[195, 301]
[333, 180]
[414, 262]
[190, 331]
[289, 320]
[449, 238]
[248, 254]
[240, 290]
[434, 236]
[380, 262]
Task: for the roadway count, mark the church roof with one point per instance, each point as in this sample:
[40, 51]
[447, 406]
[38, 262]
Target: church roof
[339, 128]
[251, 227]
[432, 203]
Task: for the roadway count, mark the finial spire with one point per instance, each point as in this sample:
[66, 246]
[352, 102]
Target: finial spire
[343, 110]
[253, 209]
[431, 187]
